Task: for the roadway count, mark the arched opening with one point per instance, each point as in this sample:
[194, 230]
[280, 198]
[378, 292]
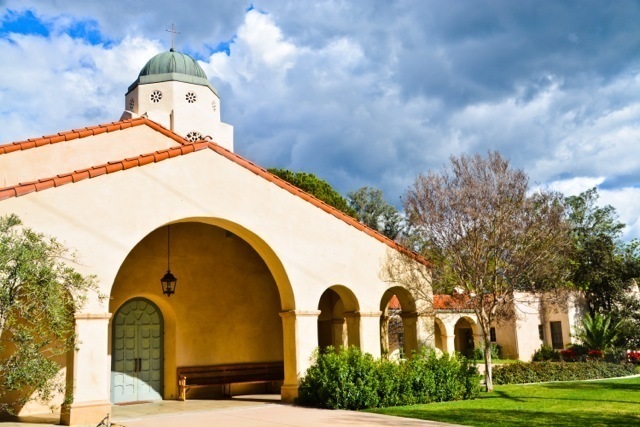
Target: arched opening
[464, 332]
[339, 319]
[392, 330]
[398, 323]
[226, 308]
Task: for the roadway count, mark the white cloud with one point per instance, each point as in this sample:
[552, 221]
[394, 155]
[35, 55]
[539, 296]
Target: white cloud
[576, 185]
[627, 204]
[53, 84]
[260, 55]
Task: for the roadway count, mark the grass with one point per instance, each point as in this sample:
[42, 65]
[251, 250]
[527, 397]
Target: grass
[580, 403]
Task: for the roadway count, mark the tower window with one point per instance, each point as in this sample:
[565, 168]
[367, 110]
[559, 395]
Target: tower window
[191, 97]
[214, 105]
[132, 103]
[194, 136]
[156, 96]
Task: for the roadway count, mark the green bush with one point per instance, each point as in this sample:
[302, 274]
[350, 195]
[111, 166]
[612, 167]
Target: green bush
[349, 379]
[478, 352]
[546, 353]
[521, 373]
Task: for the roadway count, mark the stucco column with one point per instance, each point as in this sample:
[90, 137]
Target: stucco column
[425, 330]
[384, 335]
[300, 338]
[418, 331]
[90, 372]
[409, 323]
[340, 338]
[370, 332]
[478, 340]
[449, 342]
[352, 319]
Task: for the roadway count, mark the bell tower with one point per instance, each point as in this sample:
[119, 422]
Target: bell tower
[173, 90]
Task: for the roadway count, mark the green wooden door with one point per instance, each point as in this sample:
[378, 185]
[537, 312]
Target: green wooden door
[136, 373]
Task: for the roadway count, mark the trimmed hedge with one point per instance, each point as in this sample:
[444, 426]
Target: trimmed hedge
[534, 372]
[349, 379]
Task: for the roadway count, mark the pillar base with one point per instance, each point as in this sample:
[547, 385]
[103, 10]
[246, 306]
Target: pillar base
[289, 393]
[84, 413]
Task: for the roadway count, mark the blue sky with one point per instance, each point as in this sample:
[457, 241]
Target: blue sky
[360, 93]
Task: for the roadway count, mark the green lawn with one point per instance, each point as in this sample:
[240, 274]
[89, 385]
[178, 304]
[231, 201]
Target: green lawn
[580, 403]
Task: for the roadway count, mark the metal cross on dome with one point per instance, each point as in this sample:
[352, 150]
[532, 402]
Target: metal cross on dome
[173, 33]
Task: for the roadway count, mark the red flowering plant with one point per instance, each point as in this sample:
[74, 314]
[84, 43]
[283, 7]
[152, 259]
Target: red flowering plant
[568, 355]
[633, 356]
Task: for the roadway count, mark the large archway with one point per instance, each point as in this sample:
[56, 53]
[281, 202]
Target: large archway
[226, 308]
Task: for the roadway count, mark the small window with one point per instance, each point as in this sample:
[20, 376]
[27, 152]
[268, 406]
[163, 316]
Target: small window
[194, 136]
[191, 97]
[132, 104]
[556, 335]
[214, 105]
[156, 96]
[492, 334]
[541, 332]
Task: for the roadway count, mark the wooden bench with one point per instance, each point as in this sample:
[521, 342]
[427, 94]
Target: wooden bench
[225, 375]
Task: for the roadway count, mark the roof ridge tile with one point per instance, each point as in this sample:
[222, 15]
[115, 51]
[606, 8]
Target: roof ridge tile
[82, 133]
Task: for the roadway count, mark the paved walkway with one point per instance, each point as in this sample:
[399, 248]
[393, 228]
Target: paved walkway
[244, 411]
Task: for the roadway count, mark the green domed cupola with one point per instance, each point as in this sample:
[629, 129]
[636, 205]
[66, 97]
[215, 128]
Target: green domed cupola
[172, 62]
[172, 66]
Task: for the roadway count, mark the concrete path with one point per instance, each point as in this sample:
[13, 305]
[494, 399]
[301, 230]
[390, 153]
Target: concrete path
[245, 411]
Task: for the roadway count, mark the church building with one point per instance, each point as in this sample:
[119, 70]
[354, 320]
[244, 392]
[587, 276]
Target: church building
[255, 270]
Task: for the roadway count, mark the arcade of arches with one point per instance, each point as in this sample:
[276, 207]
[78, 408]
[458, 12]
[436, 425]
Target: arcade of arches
[227, 309]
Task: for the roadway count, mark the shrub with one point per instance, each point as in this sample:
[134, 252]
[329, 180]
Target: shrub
[478, 352]
[546, 353]
[520, 373]
[349, 379]
[343, 379]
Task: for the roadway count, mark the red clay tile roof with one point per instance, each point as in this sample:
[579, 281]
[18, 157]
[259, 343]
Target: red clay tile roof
[89, 131]
[455, 302]
[158, 156]
[394, 303]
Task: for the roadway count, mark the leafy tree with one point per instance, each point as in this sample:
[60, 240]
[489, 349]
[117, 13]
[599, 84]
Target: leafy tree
[598, 332]
[372, 210]
[604, 267]
[38, 295]
[486, 233]
[317, 187]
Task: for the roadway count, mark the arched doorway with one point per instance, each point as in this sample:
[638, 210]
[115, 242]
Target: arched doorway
[137, 359]
[465, 336]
